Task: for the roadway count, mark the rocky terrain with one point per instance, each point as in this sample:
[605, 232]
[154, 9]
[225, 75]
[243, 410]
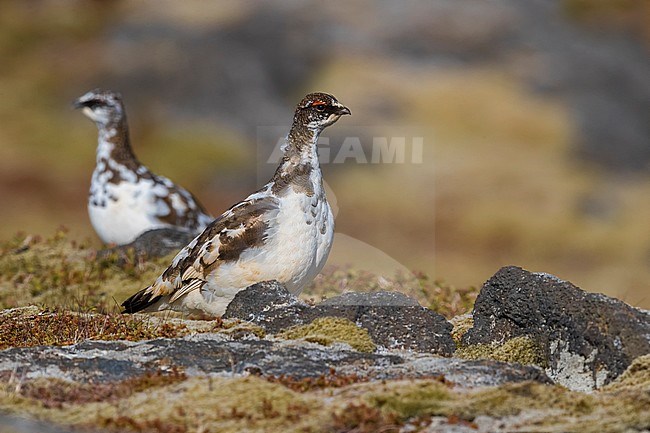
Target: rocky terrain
[534, 118]
[534, 354]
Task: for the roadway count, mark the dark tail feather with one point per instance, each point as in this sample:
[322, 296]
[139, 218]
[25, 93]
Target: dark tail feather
[139, 301]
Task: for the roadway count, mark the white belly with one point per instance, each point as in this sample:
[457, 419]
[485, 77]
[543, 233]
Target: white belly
[130, 212]
[296, 249]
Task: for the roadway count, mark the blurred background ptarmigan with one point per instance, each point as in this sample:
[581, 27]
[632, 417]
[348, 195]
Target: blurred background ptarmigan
[282, 232]
[126, 199]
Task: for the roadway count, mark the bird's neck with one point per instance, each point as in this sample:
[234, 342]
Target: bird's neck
[299, 167]
[114, 144]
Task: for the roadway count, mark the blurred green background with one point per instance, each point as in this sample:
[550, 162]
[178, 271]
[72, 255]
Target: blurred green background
[535, 117]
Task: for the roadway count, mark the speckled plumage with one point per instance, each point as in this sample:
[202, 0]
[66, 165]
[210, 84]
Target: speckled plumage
[282, 232]
[126, 199]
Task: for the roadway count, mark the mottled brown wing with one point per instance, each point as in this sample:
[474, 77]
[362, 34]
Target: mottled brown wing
[241, 227]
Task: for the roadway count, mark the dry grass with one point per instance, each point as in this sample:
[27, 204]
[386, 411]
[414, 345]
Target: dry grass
[57, 271]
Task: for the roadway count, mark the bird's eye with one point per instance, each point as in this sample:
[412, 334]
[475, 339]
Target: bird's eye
[319, 107]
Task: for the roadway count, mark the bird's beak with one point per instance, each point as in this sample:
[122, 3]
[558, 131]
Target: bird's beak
[78, 103]
[343, 110]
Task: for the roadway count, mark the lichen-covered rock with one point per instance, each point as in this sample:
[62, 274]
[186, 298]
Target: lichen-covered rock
[461, 372]
[101, 362]
[587, 339]
[393, 320]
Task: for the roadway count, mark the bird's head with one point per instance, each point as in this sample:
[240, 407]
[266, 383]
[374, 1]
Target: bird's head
[317, 111]
[104, 107]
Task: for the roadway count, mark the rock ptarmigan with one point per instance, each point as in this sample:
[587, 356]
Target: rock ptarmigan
[282, 232]
[126, 199]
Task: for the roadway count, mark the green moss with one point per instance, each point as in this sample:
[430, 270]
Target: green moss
[408, 399]
[522, 350]
[564, 410]
[328, 330]
[413, 399]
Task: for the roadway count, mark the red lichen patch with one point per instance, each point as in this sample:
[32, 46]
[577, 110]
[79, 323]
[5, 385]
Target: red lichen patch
[361, 418]
[58, 328]
[126, 423]
[54, 393]
[456, 420]
[332, 380]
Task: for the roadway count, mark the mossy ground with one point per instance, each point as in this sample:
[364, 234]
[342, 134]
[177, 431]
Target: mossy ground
[77, 295]
[178, 404]
[58, 272]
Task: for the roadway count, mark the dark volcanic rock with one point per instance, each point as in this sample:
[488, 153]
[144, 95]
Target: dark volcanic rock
[269, 305]
[589, 339]
[253, 303]
[203, 354]
[153, 243]
[392, 319]
[374, 299]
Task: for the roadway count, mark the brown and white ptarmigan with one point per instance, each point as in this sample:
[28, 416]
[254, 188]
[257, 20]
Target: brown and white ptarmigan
[282, 232]
[126, 198]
